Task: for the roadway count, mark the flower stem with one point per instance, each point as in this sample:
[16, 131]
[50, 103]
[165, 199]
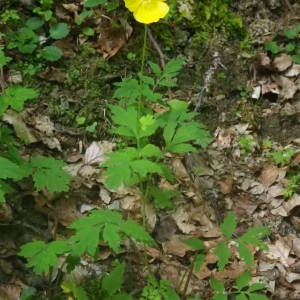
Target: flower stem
[144, 49]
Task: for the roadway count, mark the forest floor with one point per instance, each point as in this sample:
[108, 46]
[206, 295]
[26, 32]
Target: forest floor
[249, 103]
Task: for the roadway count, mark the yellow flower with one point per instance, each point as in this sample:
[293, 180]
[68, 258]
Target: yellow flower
[147, 11]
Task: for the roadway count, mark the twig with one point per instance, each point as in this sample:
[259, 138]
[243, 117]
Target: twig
[2, 81]
[157, 48]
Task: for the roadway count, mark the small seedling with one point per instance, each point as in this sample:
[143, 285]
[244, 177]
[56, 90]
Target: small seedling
[248, 144]
[282, 157]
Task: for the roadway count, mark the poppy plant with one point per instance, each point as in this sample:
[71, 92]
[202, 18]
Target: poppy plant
[147, 11]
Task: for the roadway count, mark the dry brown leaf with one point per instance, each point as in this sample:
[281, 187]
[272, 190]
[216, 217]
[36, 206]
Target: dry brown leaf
[182, 219]
[130, 203]
[151, 217]
[287, 87]
[111, 38]
[292, 203]
[95, 153]
[179, 169]
[54, 74]
[276, 190]
[22, 130]
[175, 246]
[268, 175]
[67, 46]
[71, 7]
[10, 292]
[280, 251]
[105, 196]
[226, 185]
[294, 71]
[269, 90]
[282, 62]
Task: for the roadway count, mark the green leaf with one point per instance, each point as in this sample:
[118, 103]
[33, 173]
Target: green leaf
[199, 260]
[9, 170]
[167, 292]
[49, 174]
[216, 285]
[257, 297]
[51, 53]
[136, 231]
[122, 297]
[34, 23]
[167, 83]
[28, 293]
[147, 125]
[223, 254]
[119, 167]
[3, 59]
[144, 167]
[147, 80]
[256, 287]
[113, 281]
[220, 297]
[78, 292]
[243, 280]
[190, 132]
[15, 97]
[88, 229]
[82, 16]
[155, 69]
[111, 236]
[126, 119]
[241, 297]
[291, 33]
[245, 254]
[173, 67]
[290, 47]
[151, 150]
[272, 47]
[229, 224]
[296, 58]
[195, 244]
[59, 31]
[129, 90]
[254, 235]
[42, 256]
[162, 198]
[93, 3]
[88, 31]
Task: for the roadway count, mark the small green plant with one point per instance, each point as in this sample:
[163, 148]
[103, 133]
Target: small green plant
[293, 185]
[222, 251]
[47, 173]
[282, 157]
[9, 17]
[290, 44]
[266, 144]
[244, 91]
[242, 290]
[248, 144]
[100, 225]
[161, 290]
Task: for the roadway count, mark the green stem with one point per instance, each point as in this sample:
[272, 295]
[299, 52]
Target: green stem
[190, 273]
[144, 50]
[138, 118]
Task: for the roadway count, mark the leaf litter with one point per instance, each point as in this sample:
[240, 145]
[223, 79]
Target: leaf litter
[225, 178]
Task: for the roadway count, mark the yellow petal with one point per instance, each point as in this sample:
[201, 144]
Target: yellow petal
[132, 5]
[151, 11]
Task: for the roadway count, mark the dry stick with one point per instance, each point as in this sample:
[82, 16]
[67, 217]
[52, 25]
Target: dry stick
[157, 48]
[2, 81]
